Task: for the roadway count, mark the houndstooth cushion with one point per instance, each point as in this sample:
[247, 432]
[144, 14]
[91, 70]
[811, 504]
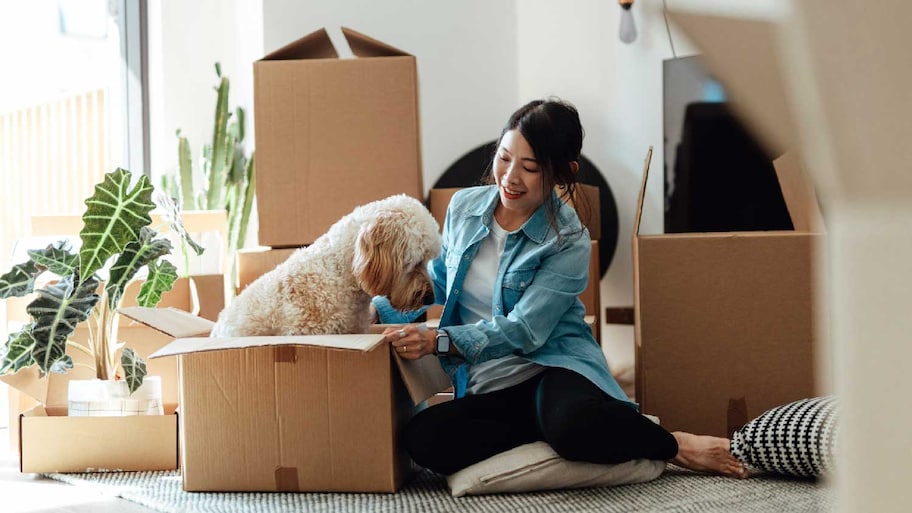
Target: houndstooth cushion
[798, 438]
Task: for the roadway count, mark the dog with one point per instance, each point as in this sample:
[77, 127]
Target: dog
[379, 249]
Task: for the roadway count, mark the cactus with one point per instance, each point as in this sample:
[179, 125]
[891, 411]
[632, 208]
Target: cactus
[228, 175]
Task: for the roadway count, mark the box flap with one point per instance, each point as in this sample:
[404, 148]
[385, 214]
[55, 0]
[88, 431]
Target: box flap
[365, 46]
[423, 377]
[744, 54]
[363, 343]
[170, 321]
[798, 194]
[642, 196]
[315, 45]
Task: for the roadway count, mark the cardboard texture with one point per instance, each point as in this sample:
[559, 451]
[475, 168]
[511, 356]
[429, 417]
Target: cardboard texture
[332, 134]
[44, 435]
[307, 413]
[725, 322]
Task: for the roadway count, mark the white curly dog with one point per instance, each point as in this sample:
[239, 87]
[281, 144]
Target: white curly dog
[380, 249]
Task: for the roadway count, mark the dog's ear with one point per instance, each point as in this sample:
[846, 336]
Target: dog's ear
[377, 263]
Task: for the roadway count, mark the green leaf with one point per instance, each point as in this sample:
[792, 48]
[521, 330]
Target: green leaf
[171, 212]
[56, 312]
[19, 281]
[217, 173]
[247, 207]
[137, 254]
[134, 368]
[185, 163]
[160, 280]
[17, 353]
[239, 116]
[62, 365]
[56, 258]
[114, 217]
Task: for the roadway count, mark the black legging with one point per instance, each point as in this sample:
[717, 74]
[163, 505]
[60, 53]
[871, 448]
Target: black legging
[558, 406]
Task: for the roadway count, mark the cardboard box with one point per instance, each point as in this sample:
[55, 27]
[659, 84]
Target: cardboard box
[725, 322]
[332, 134]
[311, 413]
[255, 262]
[47, 440]
[591, 297]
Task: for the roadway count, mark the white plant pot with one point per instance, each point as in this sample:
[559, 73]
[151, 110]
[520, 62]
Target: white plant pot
[109, 398]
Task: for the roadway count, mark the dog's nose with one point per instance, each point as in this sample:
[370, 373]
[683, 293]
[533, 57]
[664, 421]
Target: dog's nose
[428, 298]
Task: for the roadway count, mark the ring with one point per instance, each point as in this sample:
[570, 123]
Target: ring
[402, 333]
[404, 348]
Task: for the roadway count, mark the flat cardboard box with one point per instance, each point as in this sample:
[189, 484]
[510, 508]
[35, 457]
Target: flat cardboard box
[332, 134]
[314, 413]
[44, 436]
[725, 322]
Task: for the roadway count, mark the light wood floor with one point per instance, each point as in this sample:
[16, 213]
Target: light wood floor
[31, 493]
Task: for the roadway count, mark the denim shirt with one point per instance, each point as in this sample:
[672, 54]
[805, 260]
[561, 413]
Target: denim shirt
[536, 309]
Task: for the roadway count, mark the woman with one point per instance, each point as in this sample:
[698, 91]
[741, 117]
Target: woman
[512, 337]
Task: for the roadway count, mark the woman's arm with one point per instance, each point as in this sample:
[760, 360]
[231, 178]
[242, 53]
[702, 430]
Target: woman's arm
[550, 291]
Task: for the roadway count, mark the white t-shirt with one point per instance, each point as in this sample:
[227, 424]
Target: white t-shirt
[476, 305]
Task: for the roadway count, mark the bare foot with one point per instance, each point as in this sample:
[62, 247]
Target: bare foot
[707, 454]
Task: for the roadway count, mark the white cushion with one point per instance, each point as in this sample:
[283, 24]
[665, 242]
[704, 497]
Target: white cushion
[536, 466]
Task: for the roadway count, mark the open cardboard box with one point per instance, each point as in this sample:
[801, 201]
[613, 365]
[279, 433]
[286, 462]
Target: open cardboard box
[725, 322]
[307, 413]
[331, 133]
[49, 441]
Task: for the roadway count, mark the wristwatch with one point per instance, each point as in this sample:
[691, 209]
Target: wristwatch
[443, 343]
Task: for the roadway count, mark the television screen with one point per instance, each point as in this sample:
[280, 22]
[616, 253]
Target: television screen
[717, 176]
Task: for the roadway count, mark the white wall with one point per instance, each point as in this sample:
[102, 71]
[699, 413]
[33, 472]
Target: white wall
[186, 39]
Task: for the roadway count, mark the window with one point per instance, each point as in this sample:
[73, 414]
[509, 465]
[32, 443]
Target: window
[71, 109]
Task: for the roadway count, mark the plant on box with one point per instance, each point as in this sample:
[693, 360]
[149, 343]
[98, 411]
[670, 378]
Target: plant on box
[228, 175]
[116, 244]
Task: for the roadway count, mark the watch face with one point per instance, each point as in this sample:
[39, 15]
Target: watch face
[443, 342]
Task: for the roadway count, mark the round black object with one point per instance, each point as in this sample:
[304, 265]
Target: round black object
[471, 168]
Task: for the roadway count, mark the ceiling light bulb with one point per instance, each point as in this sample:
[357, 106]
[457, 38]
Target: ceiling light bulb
[628, 30]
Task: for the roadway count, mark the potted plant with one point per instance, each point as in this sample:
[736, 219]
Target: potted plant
[117, 243]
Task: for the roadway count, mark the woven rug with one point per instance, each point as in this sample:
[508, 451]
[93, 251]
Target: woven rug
[676, 490]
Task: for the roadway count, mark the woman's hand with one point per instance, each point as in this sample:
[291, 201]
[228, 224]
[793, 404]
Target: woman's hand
[411, 341]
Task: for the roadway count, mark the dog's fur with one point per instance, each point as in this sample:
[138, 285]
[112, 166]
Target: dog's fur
[380, 249]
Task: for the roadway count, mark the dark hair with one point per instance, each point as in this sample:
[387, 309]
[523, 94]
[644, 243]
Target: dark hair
[553, 130]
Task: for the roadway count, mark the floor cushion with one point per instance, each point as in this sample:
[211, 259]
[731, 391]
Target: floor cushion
[536, 466]
[797, 439]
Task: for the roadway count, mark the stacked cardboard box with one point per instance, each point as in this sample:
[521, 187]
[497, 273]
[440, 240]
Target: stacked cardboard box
[332, 134]
[725, 322]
